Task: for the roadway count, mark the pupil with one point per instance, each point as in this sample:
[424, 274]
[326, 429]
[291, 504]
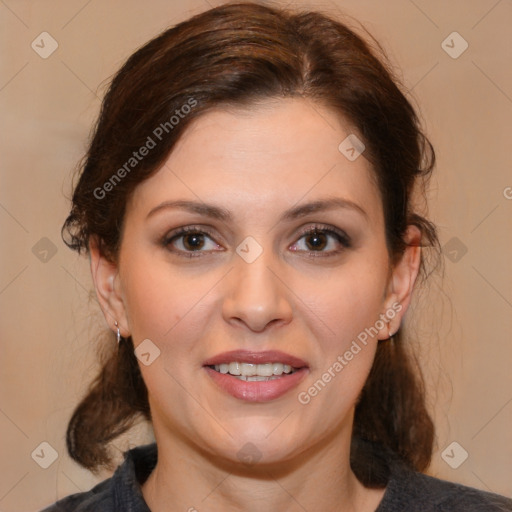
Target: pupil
[197, 242]
[320, 240]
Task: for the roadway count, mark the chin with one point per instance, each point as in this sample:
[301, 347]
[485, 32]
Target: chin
[255, 447]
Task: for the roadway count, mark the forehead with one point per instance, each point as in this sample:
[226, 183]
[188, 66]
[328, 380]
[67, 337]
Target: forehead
[262, 159]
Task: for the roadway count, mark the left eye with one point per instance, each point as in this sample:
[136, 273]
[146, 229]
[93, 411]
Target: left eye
[317, 240]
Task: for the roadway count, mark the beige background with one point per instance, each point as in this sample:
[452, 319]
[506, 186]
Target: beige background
[48, 320]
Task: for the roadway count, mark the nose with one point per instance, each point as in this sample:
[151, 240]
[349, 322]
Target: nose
[256, 294]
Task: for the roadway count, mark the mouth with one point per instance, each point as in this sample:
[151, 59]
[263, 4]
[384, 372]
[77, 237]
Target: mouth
[256, 376]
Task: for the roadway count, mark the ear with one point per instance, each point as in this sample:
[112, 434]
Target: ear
[401, 283]
[105, 276]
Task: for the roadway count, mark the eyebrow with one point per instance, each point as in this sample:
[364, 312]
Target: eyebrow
[220, 213]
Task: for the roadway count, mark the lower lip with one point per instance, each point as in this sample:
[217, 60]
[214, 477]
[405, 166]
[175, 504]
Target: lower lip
[256, 391]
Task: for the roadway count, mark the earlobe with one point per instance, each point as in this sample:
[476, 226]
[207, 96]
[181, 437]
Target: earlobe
[105, 275]
[402, 280]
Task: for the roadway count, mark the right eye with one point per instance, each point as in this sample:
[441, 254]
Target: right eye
[189, 240]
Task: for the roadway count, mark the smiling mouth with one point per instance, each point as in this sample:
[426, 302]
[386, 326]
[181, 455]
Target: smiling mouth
[252, 372]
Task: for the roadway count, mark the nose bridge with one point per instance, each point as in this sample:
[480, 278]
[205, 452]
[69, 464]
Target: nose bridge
[255, 294]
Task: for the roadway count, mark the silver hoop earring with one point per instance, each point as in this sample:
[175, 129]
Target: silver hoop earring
[389, 339]
[118, 333]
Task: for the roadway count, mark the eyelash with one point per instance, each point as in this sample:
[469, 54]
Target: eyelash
[340, 236]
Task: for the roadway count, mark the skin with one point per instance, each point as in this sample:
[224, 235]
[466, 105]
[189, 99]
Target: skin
[256, 163]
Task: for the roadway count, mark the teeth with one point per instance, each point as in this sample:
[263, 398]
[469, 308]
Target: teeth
[254, 372]
[277, 368]
[255, 378]
[248, 369]
[234, 369]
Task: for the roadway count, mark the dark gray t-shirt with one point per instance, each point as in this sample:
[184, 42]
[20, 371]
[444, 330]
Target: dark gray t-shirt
[406, 491]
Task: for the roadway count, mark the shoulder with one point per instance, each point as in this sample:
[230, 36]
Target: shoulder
[411, 491]
[99, 499]
[120, 492]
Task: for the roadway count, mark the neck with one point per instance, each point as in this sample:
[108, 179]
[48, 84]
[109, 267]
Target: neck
[187, 479]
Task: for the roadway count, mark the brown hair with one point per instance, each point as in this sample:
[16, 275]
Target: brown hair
[235, 55]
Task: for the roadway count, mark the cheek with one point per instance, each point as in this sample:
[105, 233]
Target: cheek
[165, 303]
[347, 303]
[152, 306]
[346, 341]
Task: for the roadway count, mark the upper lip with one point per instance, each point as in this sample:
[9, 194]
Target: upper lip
[261, 357]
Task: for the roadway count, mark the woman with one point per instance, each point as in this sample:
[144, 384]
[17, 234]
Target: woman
[246, 203]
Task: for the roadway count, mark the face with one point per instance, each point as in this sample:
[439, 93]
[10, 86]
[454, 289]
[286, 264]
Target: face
[259, 273]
